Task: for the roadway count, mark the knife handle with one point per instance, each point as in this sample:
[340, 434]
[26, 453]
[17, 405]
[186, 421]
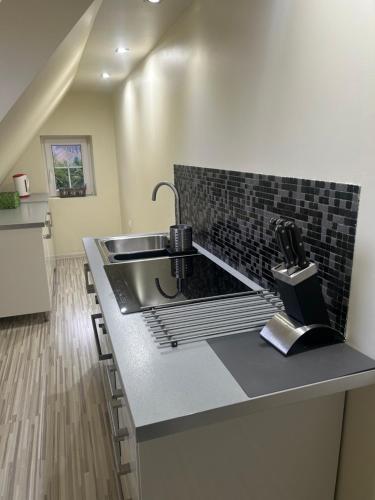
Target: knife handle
[274, 221]
[285, 246]
[297, 243]
[280, 245]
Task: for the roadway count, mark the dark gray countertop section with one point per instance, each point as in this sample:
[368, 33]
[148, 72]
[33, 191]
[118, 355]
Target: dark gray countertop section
[260, 369]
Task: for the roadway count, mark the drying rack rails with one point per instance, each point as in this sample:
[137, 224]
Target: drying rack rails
[176, 324]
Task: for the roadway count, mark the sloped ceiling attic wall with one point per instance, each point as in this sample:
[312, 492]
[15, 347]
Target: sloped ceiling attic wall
[30, 32]
[49, 84]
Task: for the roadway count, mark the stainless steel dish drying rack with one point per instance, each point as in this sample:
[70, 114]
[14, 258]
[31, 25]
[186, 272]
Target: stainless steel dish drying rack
[173, 325]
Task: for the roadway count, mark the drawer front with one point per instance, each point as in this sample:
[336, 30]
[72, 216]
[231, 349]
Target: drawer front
[122, 428]
[129, 455]
[123, 434]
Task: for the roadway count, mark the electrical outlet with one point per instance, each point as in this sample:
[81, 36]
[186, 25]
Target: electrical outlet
[130, 223]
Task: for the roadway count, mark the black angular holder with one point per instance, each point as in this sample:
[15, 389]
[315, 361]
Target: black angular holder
[305, 323]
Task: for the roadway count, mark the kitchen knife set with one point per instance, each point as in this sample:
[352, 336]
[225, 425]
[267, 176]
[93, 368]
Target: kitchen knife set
[289, 238]
[305, 323]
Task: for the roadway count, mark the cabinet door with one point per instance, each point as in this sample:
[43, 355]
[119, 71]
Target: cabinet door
[22, 271]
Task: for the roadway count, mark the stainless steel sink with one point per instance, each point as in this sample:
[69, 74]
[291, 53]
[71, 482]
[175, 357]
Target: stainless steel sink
[131, 244]
[122, 248]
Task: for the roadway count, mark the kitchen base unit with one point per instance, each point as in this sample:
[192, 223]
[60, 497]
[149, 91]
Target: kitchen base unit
[27, 264]
[228, 418]
[288, 453]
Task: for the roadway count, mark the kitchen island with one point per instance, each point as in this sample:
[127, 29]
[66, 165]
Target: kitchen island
[197, 429]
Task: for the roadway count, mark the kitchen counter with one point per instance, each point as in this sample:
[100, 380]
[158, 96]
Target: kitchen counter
[36, 198]
[178, 389]
[31, 213]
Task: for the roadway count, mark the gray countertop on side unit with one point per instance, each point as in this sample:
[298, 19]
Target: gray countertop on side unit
[176, 389]
[36, 198]
[31, 213]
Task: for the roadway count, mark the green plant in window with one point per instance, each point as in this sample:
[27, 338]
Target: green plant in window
[76, 177]
[62, 178]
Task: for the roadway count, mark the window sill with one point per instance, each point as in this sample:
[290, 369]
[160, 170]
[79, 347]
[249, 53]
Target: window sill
[52, 197]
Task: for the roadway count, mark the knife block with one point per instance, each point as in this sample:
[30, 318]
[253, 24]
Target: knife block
[306, 323]
[302, 295]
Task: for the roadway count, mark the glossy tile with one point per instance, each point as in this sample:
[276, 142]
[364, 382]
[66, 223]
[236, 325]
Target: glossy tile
[230, 213]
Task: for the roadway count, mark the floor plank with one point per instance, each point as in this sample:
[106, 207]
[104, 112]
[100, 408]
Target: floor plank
[54, 433]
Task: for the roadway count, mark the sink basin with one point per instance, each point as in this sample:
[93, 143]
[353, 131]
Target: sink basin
[137, 244]
[122, 248]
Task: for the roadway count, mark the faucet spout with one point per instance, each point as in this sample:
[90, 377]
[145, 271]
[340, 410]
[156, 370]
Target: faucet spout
[176, 197]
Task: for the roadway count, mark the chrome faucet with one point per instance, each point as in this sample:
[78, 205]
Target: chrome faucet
[176, 196]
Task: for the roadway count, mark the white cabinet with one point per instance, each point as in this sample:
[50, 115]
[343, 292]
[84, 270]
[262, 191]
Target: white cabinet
[27, 264]
[287, 452]
[123, 434]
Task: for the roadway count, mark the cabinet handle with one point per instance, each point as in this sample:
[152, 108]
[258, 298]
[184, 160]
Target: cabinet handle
[118, 433]
[48, 236]
[89, 287]
[101, 356]
[49, 221]
[121, 469]
[114, 392]
[104, 330]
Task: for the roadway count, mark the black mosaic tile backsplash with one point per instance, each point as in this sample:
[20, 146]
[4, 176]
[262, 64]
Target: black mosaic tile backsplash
[230, 213]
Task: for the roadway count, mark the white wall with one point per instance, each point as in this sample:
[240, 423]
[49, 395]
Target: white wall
[80, 113]
[278, 87]
[30, 32]
[48, 84]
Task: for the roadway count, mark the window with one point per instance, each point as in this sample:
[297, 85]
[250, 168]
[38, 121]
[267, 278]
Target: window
[69, 163]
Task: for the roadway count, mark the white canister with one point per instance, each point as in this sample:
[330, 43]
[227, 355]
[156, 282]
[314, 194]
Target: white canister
[22, 185]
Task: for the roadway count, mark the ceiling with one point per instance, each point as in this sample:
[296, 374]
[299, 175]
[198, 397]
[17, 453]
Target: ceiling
[134, 24]
[30, 33]
[35, 76]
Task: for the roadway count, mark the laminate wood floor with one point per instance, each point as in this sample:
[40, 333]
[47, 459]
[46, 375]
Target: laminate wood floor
[54, 433]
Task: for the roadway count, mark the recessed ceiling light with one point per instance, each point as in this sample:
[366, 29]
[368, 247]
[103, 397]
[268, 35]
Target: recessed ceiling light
[105, 75]
[122, 50]
[154, 1]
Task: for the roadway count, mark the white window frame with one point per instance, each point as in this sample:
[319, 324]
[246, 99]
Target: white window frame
[86, 150]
